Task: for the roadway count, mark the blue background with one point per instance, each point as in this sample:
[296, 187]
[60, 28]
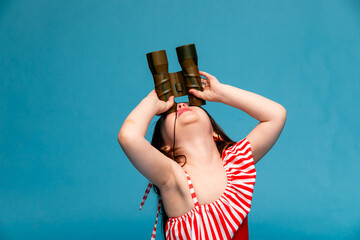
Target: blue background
[71, 71]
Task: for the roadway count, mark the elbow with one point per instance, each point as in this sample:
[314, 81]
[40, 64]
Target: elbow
[123, 137]
[282, 114]
[279, 114]
[127, 138]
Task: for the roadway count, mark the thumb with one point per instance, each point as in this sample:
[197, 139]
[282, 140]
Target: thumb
[170, 102]
[197, 93]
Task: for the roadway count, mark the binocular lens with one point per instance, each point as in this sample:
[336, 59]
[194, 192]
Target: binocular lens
[157, 61]
[176, 84]
[187, 52]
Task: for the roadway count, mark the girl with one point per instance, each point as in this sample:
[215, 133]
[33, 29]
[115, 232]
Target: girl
[204, 179]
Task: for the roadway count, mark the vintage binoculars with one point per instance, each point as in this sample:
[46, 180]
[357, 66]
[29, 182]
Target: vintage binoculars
[176, 84]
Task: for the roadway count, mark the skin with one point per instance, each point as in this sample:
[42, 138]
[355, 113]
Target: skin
[194, 139]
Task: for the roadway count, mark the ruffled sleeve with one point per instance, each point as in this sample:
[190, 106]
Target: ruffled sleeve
[239, 152]
[239, 164]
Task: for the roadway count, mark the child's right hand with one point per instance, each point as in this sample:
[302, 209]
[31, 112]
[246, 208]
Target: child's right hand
[161, 106]
[212, 88]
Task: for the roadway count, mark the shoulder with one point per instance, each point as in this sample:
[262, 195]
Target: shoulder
[177, 180]
[238, 148]
[241, 148]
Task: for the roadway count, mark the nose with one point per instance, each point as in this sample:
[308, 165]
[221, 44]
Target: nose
[181, 105]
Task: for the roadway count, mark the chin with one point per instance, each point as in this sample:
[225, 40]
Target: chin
[193, 122]
[189, 123]
[188, 117]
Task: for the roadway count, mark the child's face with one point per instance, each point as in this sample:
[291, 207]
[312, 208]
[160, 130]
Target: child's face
[190, 120]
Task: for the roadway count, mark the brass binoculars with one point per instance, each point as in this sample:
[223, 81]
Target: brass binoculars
[176, 84]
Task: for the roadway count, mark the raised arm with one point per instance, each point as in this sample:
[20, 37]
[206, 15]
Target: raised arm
[272, 115]
[150, 162]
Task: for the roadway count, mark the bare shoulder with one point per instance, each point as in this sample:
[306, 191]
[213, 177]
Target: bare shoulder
[175, 194]
[264, 136]
[177, 179]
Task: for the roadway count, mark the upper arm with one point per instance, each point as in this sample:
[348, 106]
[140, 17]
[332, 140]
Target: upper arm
[149, 161]
[263, 137]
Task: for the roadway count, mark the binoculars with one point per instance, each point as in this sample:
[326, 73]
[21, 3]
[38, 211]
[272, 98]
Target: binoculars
[176, 84]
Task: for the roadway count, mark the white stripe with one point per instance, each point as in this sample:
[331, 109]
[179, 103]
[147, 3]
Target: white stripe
[177, 231]
[192, 233]
[171, 230]
[213, 224]
[227, 214]
[182, 229]
[239, 145]
[206, 221]
[168, 229]
[218, 221]
[201, 232]
[236, 166]
[233, 211]
[240, 161]
[244, 184]
[242, 191]
[188, 226]
[227, 226]
[236, 205]
[238, 153]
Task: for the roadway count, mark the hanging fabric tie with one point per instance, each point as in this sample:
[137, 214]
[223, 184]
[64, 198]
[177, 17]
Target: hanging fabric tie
[147, 191]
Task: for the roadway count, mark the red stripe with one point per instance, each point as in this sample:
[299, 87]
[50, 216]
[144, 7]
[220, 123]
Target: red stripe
[237, 194]
[211, 228]
[205, 230]
[183, 226]
[196, 228]
[233, 217]
[217, 224]
[173, 230]
[226, 219]
[223, 223]
[241, 200]
[179, 230]
[244, 187]
[187, 230]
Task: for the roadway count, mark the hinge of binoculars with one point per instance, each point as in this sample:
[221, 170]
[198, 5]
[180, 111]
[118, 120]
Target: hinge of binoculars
[179, 87]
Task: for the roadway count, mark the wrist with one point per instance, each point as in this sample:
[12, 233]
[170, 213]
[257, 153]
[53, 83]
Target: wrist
[220, 92]
[150, 104]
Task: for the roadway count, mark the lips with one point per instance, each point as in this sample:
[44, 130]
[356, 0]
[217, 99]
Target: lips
[182, 110]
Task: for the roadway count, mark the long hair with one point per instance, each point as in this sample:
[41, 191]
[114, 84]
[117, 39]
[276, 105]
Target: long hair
[222, 143]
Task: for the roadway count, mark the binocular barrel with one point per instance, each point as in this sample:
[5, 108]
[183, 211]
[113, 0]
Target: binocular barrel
[176, 84]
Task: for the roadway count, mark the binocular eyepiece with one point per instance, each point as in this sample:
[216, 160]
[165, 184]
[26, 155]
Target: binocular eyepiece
[176, 84]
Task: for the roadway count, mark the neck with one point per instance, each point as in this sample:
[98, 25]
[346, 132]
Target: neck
[198, 151]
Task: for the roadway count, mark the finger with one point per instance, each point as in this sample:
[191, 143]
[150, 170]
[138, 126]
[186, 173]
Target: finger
[197, 93]
[210, 78]
[153, 94]
[170, 102]
[205, 74]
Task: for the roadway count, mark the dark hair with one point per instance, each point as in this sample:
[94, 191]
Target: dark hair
[222, 143]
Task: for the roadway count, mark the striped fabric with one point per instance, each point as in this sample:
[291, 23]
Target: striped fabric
[223, 217]
[147, 191]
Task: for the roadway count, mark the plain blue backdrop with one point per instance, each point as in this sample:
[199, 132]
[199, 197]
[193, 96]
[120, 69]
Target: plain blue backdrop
[71, 71]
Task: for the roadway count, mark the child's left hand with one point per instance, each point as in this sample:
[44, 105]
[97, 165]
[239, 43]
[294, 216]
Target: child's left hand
[211, 87]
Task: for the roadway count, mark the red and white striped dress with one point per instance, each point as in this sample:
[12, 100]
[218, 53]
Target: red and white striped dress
[222, 218]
